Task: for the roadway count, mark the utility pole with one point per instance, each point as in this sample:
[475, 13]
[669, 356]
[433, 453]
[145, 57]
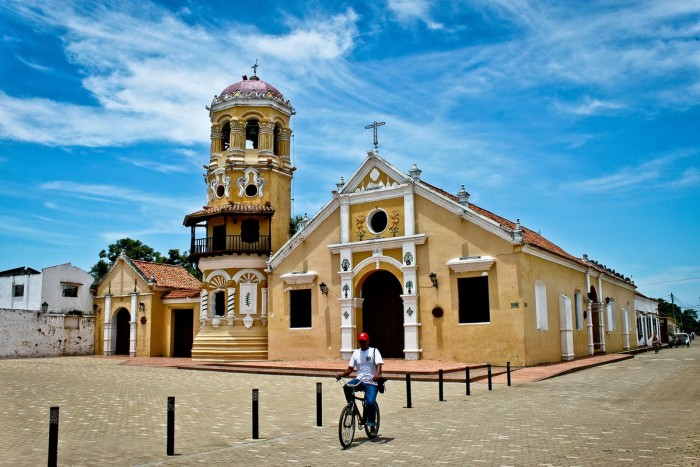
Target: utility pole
[673, 308]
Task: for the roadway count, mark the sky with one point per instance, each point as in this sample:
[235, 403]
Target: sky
[580, 119]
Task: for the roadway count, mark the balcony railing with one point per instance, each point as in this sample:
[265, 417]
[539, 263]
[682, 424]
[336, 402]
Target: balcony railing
[231, 244]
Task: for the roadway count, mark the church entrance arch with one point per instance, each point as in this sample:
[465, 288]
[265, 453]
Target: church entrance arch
[122, 319]
[382, 313]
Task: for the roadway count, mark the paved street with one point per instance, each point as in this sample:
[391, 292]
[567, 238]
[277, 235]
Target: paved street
[641, 411]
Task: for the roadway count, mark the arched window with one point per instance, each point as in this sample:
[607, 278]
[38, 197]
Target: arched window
[219, 303]
[226, 136]
[252, 131]
[541, 305]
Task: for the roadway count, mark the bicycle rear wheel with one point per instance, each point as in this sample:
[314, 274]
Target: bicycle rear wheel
[373, 431]
[346, 426]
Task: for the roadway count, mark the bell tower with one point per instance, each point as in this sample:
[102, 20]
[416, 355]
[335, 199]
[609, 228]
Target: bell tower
[246, 218]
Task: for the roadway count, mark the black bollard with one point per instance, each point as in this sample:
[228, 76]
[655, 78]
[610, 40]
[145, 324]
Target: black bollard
[171, 426]
[319, 404]
[490, 386]
[408, 391]
[53, 437]
[508, 371]
[469, 389]
[440, 385]
[255, 414]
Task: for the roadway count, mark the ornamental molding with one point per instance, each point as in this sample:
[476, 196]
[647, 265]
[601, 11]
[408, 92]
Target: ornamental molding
[376, 259]
[295, 278]
[470, 264]
[536, 252]
[378, 243]
[249, 275]
[375, 194]
[465, 213]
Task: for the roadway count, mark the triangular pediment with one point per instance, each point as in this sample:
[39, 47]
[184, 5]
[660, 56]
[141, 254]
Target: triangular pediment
[375, 173]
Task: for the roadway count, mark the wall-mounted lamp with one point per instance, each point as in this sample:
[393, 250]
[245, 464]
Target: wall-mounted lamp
[142, 307]
[607, 300]
[44, 307]
[324, 288]
[95, 307]
[433, 279]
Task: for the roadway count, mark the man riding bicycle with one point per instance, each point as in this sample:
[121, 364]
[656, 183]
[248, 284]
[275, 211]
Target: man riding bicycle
[368, 362]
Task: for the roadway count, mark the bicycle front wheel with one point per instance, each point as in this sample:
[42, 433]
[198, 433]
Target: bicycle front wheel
[373, 431]
[346, 426]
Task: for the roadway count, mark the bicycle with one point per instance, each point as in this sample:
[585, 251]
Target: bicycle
[350, 415]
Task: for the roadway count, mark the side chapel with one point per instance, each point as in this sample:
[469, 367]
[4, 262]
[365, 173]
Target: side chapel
[426, 273]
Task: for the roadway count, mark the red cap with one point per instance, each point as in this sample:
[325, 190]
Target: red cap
[363, 336]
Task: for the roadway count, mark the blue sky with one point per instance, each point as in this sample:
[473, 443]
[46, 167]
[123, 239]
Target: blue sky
[580, 119]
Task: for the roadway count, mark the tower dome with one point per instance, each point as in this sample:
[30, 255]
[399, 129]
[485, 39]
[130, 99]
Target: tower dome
[251, 85]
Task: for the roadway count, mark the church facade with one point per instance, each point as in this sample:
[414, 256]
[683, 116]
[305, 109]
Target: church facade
[426, 273]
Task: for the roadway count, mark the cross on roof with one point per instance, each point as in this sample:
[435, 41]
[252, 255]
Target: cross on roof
[255, 67]
[375, 125]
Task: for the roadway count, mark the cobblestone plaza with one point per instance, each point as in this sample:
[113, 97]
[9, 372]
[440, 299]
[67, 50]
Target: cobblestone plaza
[640, 411]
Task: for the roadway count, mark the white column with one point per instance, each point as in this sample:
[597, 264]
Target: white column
[411, 327]
[589, 323]
[625, 330]
[601, 322]
[203, 304]
[132, 324]
[107, 342]
[347, 326]
[566, 328]
[409, 217]
[230, 304]
[344, 219]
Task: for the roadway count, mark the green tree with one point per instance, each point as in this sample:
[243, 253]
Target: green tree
[182, 259]
[137, 250]
[295, 224]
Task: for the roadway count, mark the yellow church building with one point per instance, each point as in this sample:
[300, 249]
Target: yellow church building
[426, 273]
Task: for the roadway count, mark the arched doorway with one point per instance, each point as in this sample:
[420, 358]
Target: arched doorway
[382, 313]
[123, 329]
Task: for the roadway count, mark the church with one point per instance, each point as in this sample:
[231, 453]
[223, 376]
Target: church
[425, 272]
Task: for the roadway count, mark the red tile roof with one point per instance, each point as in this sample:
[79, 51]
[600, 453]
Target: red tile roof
[529, 236]
[168, 275]
[210, 211]
[182, 293]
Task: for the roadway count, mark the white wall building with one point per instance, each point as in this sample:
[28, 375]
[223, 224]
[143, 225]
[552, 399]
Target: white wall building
[647, 318]
[46, 313]
[20, 289]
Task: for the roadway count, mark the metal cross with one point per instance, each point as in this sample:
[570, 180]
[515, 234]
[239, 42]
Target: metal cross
[375, 125]
[255, 67]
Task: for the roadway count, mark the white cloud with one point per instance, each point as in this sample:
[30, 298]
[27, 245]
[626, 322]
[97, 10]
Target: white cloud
[137, 58]
[409, 11]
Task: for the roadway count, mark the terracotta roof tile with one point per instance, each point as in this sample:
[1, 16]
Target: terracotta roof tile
[182, 293]
[168, 275]
[529, 236]
[210, 211]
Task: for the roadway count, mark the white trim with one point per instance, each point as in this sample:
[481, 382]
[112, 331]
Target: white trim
[286, 249]
[294, 278]
[376, 259]
[474, 263]
[384, 243]
[255, 272]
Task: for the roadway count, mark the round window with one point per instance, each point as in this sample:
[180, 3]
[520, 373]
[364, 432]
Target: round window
[377, 221]
[251, 190]
[220, 190]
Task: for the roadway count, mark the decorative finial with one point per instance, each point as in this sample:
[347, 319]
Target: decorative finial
[375, 125]
[463, 196]
[255, 68]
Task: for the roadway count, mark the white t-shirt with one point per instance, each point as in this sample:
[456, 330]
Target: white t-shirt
[365, 362]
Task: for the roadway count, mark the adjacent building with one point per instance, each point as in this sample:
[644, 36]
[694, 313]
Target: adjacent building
[146, 309]
[47, 312]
